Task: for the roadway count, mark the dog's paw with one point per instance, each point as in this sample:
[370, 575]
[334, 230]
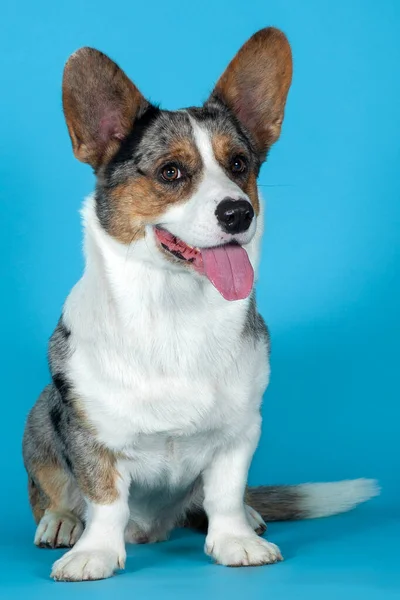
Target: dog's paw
[58, 530]
[241, 551]
[86, 565]
[255, 520]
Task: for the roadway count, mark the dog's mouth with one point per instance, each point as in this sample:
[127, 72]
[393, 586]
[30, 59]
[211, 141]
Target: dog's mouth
[227, 267]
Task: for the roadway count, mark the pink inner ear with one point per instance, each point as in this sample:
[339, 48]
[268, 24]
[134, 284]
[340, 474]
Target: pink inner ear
[248, 106]
[110, 127]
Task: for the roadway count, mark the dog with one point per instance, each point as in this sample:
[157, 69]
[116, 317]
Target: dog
[160, 359]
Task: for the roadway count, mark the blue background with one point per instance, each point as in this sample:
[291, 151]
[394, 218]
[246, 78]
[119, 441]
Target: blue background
[330, 277]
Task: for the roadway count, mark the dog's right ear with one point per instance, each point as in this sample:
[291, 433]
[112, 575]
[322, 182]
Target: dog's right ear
[100, 105]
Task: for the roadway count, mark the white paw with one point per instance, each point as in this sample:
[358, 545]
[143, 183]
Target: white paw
[255, 520]
[86, 565]
[237, 551]
[58, 530]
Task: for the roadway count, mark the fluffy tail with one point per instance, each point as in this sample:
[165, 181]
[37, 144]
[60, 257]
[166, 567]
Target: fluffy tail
[310, 500]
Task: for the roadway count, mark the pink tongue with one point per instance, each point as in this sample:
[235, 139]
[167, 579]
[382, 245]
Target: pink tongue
[229, 270]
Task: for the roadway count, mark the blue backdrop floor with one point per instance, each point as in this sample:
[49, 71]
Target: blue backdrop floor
[350, 556]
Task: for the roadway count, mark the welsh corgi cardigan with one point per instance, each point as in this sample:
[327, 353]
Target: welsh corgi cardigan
[160, 359]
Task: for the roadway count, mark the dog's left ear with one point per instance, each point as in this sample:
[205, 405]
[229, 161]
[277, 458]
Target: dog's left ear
[255, 86]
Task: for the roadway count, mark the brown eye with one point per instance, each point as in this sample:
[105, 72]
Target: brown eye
[171, 173]
[238, 165]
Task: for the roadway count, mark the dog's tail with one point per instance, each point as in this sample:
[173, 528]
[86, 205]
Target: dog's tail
[310, 500]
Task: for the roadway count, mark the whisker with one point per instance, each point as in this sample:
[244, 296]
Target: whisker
[131, 244]
[276, 185]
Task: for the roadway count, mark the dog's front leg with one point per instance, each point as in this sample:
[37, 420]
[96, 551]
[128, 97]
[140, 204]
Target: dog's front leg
[101, 549]
[230, 539]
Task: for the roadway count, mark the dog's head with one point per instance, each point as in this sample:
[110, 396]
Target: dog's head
[185, 180]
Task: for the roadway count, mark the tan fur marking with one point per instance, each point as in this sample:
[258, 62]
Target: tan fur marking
[37, 499]
[251, 189]
[53, 481]
[48, 489]
[224, 150]
[141, 200]
[184, 150]
[96, 477]
[81, 415]
[100, 485]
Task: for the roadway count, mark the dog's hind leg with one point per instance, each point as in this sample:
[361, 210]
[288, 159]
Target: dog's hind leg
[255, 519]
[51, 494]
[197, 519]
[56, 502]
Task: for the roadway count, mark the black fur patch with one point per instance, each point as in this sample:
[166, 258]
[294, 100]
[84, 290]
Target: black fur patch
[127, 150]
[67, 461]
[255, 326]
[55, 418]
[62, 386]
[64, 329]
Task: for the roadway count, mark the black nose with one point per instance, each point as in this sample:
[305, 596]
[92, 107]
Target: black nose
[234, 216]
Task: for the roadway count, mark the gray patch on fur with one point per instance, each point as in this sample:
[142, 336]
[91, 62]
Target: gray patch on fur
[255, 326]
[55, 433]
[59, 347]
[276, 503]
[141, 154]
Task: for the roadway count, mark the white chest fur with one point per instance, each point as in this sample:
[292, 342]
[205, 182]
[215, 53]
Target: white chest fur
[160, 362]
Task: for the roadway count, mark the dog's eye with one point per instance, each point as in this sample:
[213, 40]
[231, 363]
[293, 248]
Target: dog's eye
[238, 164]
[171, 173]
